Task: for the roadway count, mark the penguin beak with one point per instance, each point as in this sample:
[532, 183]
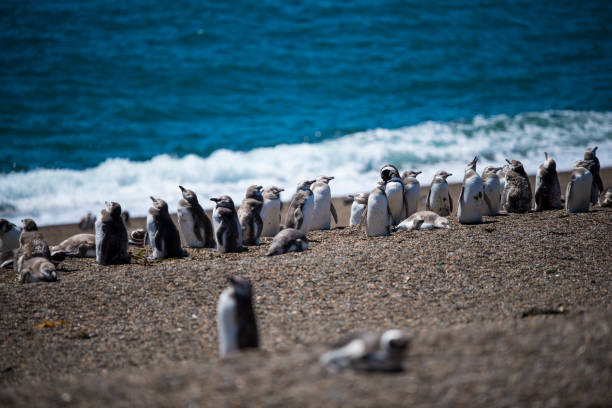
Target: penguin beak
[509, 162]
[182, 188]
[259, 188]
[216, 200]
[546, 155]
[416, 173]
[152, 198]
[281, 189]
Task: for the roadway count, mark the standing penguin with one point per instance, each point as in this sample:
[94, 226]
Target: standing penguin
[412, 191]
[471, 200]
[236, 323]
[593, 167]
[578, 191]
[300, 211]
[271, 211]
[492, 189]
[193, 221]
[87, 222]
[163, 235]
[249, 215]
[378, 214]
[517, 189]
[111, 237]
[439, 199]
[228, 232]
[395, 191]
[323, 205]
[547, 190]
[360, 202]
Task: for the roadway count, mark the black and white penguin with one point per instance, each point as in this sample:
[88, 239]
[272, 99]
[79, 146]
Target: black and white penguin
[236, 323]
[249, 215]
[517, 189]
[271, 211]
[378, 214]
[439, 199]
[548, 189]
[578, 191]
[412, 191]
[194, 223]
[163, 235]
[593, 166]
[470, 206]
[394, 189]
[111, 237]
[323, 207]
[300, 211]
[228, 232]
[492, 190]
[288, 240]
[359, 205]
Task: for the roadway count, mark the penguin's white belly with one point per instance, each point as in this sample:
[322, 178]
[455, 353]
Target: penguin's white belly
[187, 225]
[10, 240]
[493, 190]
[395, 194]
[356, 213]
[438, 199]
[307, 213]
[321, 211]
[270, 215]
[377, 218]
[412, 192]
[152, 231]
[227, 325]
[470, 209]
[578, 200]
[98, 237]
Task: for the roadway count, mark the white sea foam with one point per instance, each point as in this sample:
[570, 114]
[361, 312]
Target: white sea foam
[62, 196]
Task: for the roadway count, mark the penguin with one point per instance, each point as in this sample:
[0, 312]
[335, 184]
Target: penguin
[194, 223]
[369, 351]
[228, 232]
[378, 214]
[288, 240]
[300, 211]
[30, 235]
[125, 216]
[593, 166]
[502, 184]
[33, 258]
[139, 237]
[322, 204]
[236, 323]
[79, 245]
[271, 211]
[87, 222]
[412, 191]
[395, 191]
[578, 191]
[163, 235]
[9, 241]
[249, 215]
[492, 190]
[422, 220]
[360, 202]
[111, 239]
[547, 190]
[517, 189]
[438, 198]
[605, 198]
[470, 206]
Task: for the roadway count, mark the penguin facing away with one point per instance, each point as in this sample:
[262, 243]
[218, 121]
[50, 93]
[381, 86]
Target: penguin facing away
[228, 232]
[548, 189]
[249, 215]
[578, 191]
[470, 206]
[492, 190]
[236, 323]
[323, 206]
[300, 211]
[412, 191]
[378, 214]
[111, 239]
[163, 235]
[517, 189]
[194, 223]
[360, 202]
[271, 211]
[438, 198]
[593, 166]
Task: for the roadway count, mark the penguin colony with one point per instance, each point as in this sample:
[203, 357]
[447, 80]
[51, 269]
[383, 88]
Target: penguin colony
[390, 206]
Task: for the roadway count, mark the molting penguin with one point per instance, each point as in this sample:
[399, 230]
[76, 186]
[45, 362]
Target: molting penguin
[300, 211]
[236, 324]
[87, 222]
[593, 166]
[378, 214]
[394, 189]
[33, 258]
[228, 232]
[9, 241]
[111, 237]
[249, 215]
[360, 202]
[79, 245]
[288, 240]
[412, 191]
[492, 190]
[369, 351]
[605, 198]
[471, 201]
[163, 235]
[547, 190]
[439, 199]
[271, 211]
[193, 221]
[578, 191]
[322, 204]
[422, 220]
[517, 189]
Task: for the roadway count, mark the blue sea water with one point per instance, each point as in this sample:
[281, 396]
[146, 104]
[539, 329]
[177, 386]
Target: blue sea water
[121, 100]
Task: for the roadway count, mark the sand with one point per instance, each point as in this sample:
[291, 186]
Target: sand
[516, 311]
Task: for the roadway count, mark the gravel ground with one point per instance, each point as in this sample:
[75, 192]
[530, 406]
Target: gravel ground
[516, 311]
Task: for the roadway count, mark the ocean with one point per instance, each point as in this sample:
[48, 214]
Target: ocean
[125, 100]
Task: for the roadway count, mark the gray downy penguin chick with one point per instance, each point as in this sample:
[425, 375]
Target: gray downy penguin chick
[360, 202]
[271, 211]
[470, 206]
[492, 190]
[378, 214]
[605, 198]
[228, 232]
[194, 223]
[323, 207]
[369, 351]
[33, 258]
[163, 235]
[9, 241]
[236, 323]
[578, 191]
[111, 237]
[300, 211]
[395, 191]
[249, 215]
[547, 190]
[79, 245]
[422, 220]
[288, 240]
[87, 222]
[518, 188]
[37, 245]
[593, 166]
[439, 199]
[412, 191]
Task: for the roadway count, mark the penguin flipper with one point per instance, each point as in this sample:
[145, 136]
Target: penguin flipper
[364, 216]
[598, 182]
[568, 193]
[538, 199]
[427, 206]
[450, 201]
[488, 202]
[298, 217]
[333, 213]
[461, 195]
[220, 232]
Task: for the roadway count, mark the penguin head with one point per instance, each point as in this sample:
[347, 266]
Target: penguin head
[254, 191]
[324, 179]
[29, 224]
[388, 172]
[472, 165]
[394, 343]
[590, 153]
[272, 193]
[516, 166]
[47, 272]
[113, 209]
[549, 163]
[159, 204]
[490, 170]
[224, 201]
[442, 174]
[305, 185]
[189, 195]
[6, 226]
